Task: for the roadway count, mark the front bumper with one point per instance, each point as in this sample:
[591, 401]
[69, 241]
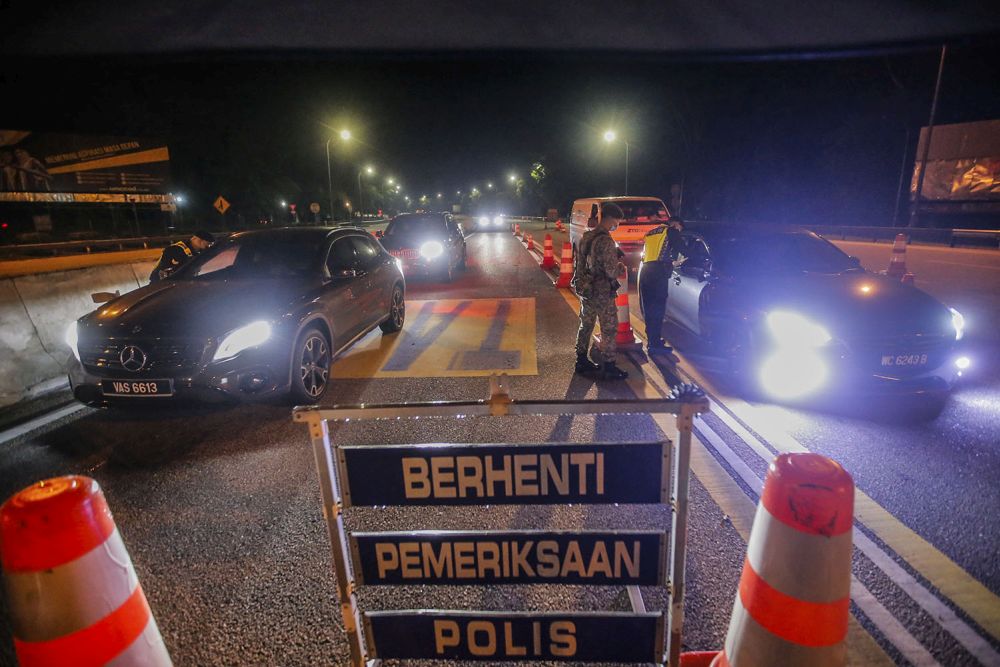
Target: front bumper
[257, 374]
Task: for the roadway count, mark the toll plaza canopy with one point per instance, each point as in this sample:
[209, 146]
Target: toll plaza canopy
[681, 27]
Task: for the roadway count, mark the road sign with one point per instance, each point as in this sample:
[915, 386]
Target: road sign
[510, 557]
[506, 474]
[461, 635]
[221, 205]
[314, 207]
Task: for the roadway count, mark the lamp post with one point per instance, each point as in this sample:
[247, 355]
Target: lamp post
[370, 170]
[346, 136]
[610, 136]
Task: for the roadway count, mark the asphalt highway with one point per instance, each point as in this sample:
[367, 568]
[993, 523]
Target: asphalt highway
[220, 508]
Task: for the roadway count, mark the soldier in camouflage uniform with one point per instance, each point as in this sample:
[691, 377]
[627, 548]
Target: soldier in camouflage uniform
[596, 282]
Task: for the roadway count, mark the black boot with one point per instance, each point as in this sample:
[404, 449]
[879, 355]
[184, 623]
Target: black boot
[610, 371]
[585, 366]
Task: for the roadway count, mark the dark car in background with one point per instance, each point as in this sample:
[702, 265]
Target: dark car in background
[261, 313]
[429, 244]
[794, 315]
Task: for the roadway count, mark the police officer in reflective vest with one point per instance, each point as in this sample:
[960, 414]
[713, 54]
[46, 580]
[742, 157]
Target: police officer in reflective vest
[180, 253]
[660, 248]
[595, 281]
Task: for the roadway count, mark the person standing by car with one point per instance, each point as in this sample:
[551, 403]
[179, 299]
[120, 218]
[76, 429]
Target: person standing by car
[596, 283]
[661, 247]
[178, 254]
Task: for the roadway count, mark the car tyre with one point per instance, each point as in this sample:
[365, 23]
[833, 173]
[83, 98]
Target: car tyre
[397, 312]
[311, 363]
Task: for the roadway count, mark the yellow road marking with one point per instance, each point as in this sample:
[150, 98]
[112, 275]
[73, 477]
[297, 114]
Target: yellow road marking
[450, 338]
[972, 597]
[862, 649]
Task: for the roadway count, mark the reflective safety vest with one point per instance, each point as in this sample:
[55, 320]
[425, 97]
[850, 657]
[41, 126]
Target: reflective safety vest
[652, 244]
[183, 246]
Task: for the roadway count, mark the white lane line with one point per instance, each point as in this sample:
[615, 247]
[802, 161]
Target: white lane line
[968, 265]
[39, 422]
[891, 629]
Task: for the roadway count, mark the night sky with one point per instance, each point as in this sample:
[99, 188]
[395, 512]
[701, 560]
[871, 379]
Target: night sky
[809, 140]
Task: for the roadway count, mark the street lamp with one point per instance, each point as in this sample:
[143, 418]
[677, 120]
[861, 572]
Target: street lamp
[512, 178]
[610, 136]
[489, 186]
[345, 135]
[284, 204]
[370, 170]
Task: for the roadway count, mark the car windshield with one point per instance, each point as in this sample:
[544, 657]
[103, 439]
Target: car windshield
[779, 252]
[413, 226]
[652, 212]
[257, 256]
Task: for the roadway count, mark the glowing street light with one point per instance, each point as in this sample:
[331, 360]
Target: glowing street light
[369, 170]
[345, 135]
[610, 136]
[439, 195]
[458, 193]
[512, 178]
[284, 204]
[489, 186]
[390, 181]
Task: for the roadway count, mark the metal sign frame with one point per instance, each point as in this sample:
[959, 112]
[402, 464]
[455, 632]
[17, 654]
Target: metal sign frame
[685, 402]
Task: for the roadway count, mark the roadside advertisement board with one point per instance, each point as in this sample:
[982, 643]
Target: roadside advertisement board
[41, 162]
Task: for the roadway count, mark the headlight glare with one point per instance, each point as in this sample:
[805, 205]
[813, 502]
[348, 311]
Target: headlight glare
[73, 339]
[484, 220]
[498, 220]
[791, 374]
[791, 330]
[958, 322]
[251, 335]
[431, 250]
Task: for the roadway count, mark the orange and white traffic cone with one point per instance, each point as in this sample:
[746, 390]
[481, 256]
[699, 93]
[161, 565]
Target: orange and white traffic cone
[565, 266]
[548, 257]
[517, 230]
[624, 337]
[559, 225]
[73, 595]
[897, 260]
[794, 596]
[531, 241]
[907, 278]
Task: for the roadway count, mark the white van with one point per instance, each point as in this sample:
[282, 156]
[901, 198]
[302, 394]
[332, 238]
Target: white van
[641, 215]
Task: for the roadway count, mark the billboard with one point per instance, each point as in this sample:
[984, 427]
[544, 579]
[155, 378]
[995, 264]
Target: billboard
[963, 163]
[42, 162]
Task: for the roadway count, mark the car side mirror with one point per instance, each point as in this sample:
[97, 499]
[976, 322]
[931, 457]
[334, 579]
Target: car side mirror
[104, 297]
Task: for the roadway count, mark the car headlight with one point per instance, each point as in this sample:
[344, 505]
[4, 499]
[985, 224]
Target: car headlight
[73, 339]
[431, 250]
[790, 374]
[498, 220]
[252, 335]
[484, 221]
[958, 322]
[793, 330]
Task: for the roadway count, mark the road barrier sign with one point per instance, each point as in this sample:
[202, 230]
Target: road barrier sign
[515, 557]
[505, 474]
[221, 205]
[457, 635]
[508, 473]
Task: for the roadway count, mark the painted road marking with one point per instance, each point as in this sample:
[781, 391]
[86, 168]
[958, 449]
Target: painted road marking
[450, 338]
[862, 648]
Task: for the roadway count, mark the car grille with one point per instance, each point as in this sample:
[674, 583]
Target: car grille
[869, 354]
[162, 355]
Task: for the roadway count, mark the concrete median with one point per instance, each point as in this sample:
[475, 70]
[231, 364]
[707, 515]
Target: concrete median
[35, 310]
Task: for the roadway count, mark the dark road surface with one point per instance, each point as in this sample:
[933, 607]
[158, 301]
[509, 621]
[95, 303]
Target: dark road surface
[220, 507]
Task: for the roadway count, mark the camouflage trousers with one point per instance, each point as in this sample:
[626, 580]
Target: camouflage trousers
[592, 309]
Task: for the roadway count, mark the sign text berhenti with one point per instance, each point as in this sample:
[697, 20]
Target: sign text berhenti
[474, 474]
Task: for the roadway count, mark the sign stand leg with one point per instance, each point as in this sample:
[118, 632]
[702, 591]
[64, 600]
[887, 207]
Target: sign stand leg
[678, 535]
[326, 466]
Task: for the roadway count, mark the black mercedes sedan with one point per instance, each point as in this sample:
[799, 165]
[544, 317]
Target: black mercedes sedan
[260, 314]
[427, 244]
[794, 316]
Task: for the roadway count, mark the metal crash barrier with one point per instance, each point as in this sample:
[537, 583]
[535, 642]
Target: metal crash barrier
[466, 474]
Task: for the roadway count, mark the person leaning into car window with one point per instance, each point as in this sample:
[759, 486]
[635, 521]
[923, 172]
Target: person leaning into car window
[661, 247]
[180, 253]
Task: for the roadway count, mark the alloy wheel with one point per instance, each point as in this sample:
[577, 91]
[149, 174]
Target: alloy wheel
[315, 365]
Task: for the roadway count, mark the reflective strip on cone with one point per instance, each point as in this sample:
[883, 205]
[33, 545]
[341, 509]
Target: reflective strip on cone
[897, 260]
